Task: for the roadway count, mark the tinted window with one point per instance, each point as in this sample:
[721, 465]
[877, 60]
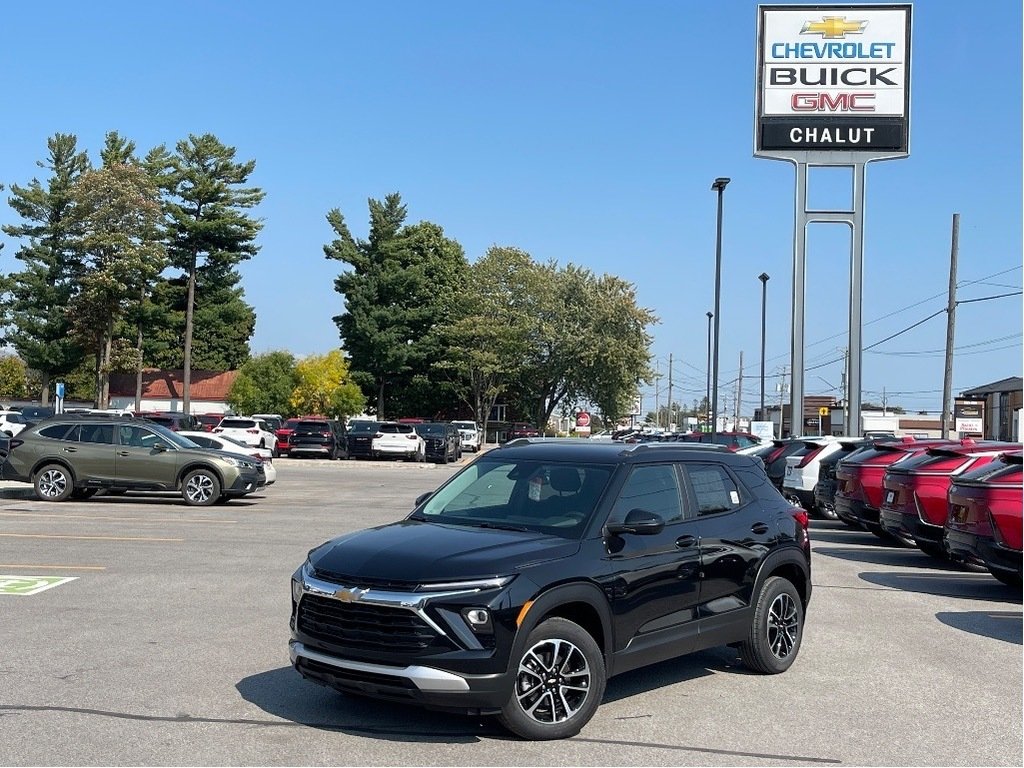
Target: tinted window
[714, 488]
[652, 488]
[97, 433]
[395, 429]
[362, 427]
[431, 429]
[238, 424]
[140, 437]
[60, 432]
[204, 442]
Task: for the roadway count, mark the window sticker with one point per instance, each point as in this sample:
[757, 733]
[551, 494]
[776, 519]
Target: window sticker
[536, 484]
[734, 497]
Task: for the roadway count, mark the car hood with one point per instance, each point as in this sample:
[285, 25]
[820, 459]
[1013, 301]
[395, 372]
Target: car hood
[417, 551]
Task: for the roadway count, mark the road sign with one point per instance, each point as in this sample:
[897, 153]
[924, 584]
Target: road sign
[823, 411]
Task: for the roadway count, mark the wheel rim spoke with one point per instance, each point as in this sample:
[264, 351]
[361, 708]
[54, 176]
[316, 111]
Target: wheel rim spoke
[783, 626]
[553, 682]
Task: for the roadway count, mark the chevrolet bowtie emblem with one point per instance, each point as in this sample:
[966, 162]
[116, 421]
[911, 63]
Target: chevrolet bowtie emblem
[349, 595]
[831, 27]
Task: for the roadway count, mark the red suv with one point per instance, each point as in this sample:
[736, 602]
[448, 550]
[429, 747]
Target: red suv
[284, 434]
[915, 490]
[859, 479]
[983, 522]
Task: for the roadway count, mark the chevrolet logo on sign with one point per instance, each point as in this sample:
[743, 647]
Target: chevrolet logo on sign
[349, 595]
[832, 27]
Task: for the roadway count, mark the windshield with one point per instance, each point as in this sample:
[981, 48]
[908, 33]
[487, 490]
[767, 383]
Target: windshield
[430, 429]
[552, 498]
[469, 426]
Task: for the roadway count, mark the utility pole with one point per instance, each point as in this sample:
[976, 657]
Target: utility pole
[846, 394]
[885, 411]
[947, 379]
[739, 396]
[783, 387]
[657, 392]
[668, 420]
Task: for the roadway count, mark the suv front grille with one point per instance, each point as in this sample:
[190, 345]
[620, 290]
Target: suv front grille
[363, 582]
[365, 626]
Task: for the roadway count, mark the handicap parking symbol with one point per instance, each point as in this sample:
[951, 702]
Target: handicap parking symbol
[30, 585]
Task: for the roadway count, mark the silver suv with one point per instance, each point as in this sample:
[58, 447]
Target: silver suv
[76, 456]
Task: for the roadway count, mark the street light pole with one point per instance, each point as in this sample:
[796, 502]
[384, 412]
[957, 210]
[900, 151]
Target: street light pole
[763, 277]
[707, 397]
[718, 186]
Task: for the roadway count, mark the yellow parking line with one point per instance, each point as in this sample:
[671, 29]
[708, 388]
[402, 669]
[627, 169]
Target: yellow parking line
[116, 519]
[90, 538]
[57, 567]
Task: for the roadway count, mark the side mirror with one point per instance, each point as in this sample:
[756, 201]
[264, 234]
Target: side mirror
[159, 447]
[639, 522]
[422, 497]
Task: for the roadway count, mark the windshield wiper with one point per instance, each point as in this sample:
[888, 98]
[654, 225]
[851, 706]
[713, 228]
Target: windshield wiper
[499, 526]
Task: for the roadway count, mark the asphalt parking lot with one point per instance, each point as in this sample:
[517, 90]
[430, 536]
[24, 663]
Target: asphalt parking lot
[169, 647]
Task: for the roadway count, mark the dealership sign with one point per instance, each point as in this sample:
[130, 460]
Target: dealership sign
[833, 78]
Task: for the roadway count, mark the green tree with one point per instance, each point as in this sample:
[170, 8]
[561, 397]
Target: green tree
[13, 378]
[117, 209]
[325, 387]
[588, 343]
[488, 343]
[403, 285]
[265, 384]
[36, 298]
[209, 225]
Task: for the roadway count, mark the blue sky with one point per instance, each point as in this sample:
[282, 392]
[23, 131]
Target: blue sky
[580, 132]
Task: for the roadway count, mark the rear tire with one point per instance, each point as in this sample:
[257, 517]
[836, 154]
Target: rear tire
[776, 630]
[559, 683]
[53, 483]
[827, 513]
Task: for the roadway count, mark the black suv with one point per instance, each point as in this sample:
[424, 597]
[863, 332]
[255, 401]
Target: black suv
[318, 437]
[545, 567]
[443, 442]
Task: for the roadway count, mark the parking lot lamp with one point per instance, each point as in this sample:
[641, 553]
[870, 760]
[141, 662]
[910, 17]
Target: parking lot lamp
[718, 186]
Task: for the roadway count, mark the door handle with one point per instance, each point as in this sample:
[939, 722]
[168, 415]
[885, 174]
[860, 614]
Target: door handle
[686, 541]
[759, 528]
[123, 453]
[69, 450]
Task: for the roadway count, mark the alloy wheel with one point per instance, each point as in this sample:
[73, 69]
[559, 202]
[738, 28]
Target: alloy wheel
[53, 483]
[783, 626]
[553, 681]
[199, 488]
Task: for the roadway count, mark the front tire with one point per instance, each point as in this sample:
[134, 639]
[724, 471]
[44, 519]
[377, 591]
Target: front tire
[777, 628]
[559, 683]
[53, 483]
[200, 488]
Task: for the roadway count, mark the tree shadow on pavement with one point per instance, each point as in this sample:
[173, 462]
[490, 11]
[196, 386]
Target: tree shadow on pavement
[999, 625]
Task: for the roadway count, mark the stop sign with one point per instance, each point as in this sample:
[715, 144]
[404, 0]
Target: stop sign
[582, 419]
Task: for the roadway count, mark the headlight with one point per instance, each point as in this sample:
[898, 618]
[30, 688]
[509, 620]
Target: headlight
[240, 463]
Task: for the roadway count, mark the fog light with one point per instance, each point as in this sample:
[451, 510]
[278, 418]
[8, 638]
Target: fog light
[478, 619]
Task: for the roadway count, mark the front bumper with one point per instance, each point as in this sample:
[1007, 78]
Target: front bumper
[245, 482]
[416, 684]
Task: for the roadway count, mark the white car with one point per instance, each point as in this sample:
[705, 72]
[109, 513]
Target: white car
[12, 422]
[802, 469]
[245, 429]
[394, 439]
[469, 435]
[230, 445]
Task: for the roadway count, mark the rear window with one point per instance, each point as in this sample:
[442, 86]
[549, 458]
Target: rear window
[313, 426]
[237, 424]
[937, 461]
[396, 429]
[362, 427]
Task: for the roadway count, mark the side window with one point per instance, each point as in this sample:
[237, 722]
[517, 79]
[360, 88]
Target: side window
[715, 489]
[61, 432]
[203, 442]
[140, 437]
[653, 488]
[97, 433]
